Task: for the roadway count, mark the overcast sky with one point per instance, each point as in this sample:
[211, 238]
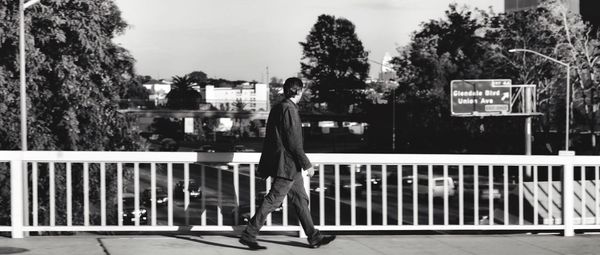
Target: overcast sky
[238, 39]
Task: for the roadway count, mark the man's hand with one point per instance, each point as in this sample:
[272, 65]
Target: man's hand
[311, 172]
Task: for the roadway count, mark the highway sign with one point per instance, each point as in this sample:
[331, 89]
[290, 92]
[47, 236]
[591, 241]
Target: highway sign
[480, 97]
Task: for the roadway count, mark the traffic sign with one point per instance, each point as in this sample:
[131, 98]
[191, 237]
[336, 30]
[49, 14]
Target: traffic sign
[480, 97]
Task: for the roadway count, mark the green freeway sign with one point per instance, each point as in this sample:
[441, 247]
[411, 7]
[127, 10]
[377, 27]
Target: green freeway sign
[480, 97]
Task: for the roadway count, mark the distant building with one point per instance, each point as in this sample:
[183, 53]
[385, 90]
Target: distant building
[158, 91]
[254, 96]
[587, 8]
[378, 88]
[387, 71]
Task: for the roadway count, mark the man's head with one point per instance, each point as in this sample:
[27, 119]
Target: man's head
[292, 87]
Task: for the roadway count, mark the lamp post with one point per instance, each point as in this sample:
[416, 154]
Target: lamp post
[19, 176]
[394, 85]
[568, 200]
[568, 99]
[22, 76]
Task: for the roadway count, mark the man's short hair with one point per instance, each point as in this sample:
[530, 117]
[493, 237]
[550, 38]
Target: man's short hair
[292, 87]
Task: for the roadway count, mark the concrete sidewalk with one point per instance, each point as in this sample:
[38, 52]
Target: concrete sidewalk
[344, 244]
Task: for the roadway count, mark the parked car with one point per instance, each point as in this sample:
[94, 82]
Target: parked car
[162, 198]
[129, 212]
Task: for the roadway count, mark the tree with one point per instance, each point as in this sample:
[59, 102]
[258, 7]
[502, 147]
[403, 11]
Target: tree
[224, 83]
[551, 31]
[335, 61]
[454, 47]
[75, 78]
[182, 94]
[581, 48]
[136, 94]
[239, 105]
[275, 91]
[531, 29]
[474, 45]
[199, 78]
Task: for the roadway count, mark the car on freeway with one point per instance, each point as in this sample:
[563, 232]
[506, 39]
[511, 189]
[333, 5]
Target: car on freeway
[484, 192]
[437, 185]
[346, 185]
[194, 189]
[162, 198]
[129, 212]
[375, 182]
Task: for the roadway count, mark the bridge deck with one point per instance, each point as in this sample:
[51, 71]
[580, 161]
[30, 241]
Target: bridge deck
[277, 244]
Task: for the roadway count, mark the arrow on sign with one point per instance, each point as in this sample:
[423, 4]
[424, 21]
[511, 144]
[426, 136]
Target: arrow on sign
[505, 96]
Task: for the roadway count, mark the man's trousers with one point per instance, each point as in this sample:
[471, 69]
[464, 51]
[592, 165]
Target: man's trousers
[295, 191]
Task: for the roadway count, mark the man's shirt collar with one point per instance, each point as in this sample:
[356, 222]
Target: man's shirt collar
[294, 104]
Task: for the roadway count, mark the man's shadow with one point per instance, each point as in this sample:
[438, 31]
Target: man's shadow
[198, 239]
[186, 238]
[289, 243]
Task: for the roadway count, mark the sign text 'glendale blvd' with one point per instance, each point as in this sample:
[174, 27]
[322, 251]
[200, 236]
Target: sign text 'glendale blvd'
[472, 97]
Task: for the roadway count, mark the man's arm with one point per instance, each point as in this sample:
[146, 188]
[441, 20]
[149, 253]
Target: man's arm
[292, 137]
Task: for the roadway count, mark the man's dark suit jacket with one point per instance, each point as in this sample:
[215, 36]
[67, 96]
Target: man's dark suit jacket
[283, 153]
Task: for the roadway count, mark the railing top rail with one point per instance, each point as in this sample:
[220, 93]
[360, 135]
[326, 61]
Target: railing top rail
[316, 158]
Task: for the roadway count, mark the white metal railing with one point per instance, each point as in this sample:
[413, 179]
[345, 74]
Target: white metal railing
[349, 192]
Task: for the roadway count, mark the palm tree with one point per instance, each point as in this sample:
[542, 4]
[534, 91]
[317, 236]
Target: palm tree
[182, 94]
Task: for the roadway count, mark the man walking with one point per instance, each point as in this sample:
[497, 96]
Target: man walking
[283, 159]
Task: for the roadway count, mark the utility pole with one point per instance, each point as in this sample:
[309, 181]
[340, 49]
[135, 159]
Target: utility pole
[268, 91]
[267, 74]
[393, 119]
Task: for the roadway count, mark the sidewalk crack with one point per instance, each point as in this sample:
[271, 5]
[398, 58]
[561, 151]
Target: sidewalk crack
[103, 246]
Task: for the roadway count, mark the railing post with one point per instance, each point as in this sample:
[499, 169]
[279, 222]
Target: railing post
[16, 198]
[568, 196]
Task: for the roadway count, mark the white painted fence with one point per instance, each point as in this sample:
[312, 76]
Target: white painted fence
[350, 192]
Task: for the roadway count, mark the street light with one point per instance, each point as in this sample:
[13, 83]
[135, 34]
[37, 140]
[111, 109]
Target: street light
[568, 66]
[19, 204]
[393, 85]
[23, 100]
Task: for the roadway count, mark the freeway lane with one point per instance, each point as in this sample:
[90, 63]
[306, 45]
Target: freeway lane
[227, 200]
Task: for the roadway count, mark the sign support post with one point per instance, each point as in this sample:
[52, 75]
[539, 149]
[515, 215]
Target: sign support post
[486, 98]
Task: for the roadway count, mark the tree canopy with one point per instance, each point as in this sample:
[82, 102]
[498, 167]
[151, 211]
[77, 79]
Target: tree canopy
[182, 94]
[475, 44]
[75, 76]
[198, 77]
[335, 61]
